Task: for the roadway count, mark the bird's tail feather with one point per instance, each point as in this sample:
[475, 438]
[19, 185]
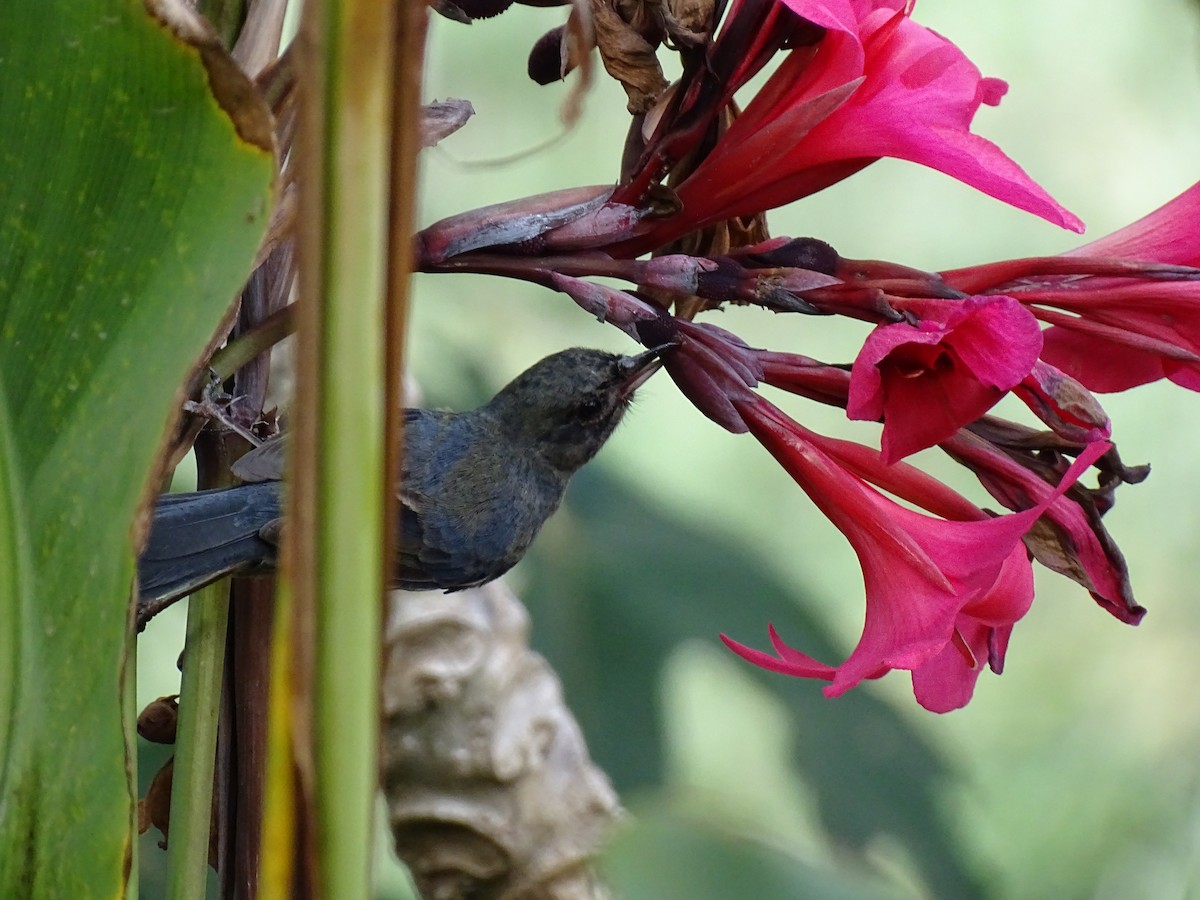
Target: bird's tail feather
[199, 537]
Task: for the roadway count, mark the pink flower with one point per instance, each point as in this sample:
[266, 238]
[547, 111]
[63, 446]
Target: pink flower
[941, 594]
[1112, 337]
[916, 102]
[928, 381]
[1166, 235]
[1018, 468]
[877, 84]
[1124, 310]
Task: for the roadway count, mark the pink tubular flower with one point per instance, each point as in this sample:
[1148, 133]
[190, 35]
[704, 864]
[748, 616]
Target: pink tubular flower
[941, 594]
[928, 381]
[1124, 310]
[1112, 337]
[1166, 235]
[878, 84]
[1070, 538]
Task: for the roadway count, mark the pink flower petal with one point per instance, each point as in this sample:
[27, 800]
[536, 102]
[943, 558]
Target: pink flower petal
[927, 382]
[1167, 235]
[917, 104]
[877, 84]
[788, 662]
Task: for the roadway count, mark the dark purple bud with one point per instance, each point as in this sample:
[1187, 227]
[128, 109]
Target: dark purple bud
[546, 58]
[483, 9]
[658, 331]
[722, 280]
[797, 253]
[707, 394]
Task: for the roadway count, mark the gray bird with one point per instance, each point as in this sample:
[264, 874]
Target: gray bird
[475, 489]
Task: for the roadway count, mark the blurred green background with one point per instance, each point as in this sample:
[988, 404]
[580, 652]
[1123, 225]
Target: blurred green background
[1072, 776]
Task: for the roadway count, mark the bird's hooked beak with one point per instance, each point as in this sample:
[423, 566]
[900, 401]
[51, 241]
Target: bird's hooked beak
[634, 371]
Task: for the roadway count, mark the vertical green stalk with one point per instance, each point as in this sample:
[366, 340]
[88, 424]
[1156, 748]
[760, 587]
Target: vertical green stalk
[129, 714]
[195, 743]
[276, 878]
[335, 561]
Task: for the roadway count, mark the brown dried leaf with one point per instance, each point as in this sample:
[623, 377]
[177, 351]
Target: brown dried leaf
[157, 721]
[688, 22]
[236, 93]
[155, 808]
[628, 57]
[646, 18]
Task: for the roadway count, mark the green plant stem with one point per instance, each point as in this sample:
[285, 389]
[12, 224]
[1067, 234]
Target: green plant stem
[336, 552]
[195, 744]
[277, 879]
[248, 345]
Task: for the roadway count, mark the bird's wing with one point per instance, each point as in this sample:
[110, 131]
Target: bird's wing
[421, 562]
[438, 548]
[264, 463]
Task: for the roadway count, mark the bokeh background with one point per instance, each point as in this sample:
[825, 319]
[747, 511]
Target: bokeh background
[1074, 775]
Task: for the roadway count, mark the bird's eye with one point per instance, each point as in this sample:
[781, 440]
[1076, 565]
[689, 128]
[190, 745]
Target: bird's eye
[590, 409]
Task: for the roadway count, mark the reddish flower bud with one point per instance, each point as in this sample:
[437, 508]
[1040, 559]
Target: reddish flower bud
[713, 369]
[504, 224]
[1069, 538]
[608, 304]
[1064, 404]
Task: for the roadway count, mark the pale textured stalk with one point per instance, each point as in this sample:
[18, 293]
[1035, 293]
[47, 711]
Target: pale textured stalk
[490, 789]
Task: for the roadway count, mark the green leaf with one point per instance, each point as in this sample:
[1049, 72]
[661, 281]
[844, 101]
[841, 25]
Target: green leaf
[666, 855]
[130, 210]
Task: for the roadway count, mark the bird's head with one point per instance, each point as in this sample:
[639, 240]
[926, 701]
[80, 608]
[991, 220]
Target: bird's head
[565, 407]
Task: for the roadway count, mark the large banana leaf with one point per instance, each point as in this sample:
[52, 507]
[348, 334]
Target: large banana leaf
[130, 209]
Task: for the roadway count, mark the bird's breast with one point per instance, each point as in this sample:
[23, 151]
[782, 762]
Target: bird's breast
[475, 504]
